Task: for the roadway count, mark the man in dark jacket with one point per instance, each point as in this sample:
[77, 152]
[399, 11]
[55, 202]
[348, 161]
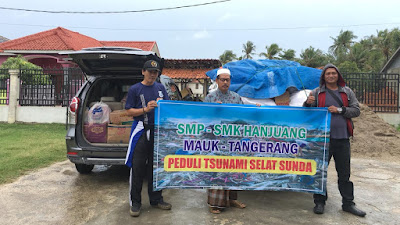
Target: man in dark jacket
[343, 104]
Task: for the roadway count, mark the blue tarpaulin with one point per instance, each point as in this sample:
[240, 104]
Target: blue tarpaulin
[268, 78]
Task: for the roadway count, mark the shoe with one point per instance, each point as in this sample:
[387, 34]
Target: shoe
[135, 211]
[353, 210]
[163, 205]
[319, 208]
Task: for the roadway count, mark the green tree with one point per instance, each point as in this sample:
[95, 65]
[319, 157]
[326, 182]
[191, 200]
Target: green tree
[395, 39]
[358, 55]
[348, 67]
[248, 49]
[227, 56]
[288, 54]
[19, 62]
[375, 62]
[272, 51]
[383, 43]
[341, 44]
[313, 57]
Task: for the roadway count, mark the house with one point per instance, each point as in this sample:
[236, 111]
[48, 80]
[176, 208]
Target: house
[393, 65]
[42, 48]
[190, 74]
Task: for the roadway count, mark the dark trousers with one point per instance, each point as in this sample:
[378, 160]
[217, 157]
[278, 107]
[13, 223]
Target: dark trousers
[142, 165]
[340, 150]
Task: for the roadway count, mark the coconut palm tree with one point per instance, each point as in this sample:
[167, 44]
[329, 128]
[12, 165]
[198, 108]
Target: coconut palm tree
[248, 49]
[288, 54]
[383, 43]
[227, 56]
[272, 51]
[358, 54]
[313, 57]
[342, 43]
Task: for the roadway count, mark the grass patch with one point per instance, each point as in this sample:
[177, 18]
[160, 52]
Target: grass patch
[25, 147]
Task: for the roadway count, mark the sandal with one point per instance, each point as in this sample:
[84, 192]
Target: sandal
[214, 210]
[237, 204]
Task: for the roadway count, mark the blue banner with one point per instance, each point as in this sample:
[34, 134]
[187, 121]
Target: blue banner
[240, 147]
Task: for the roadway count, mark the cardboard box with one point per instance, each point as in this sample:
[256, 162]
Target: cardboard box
[119, 116]
[95, 133]
[118, 133]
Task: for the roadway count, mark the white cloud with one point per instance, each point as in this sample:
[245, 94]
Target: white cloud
[201, 35]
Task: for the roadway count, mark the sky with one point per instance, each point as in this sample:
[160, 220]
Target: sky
[205, 32]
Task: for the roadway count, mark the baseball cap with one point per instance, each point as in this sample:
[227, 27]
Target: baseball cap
[151, 65]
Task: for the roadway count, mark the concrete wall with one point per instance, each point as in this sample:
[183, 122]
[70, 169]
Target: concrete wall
[391, 118]
[40, 114]
[36, 114]
[3, 113]
[395, 64]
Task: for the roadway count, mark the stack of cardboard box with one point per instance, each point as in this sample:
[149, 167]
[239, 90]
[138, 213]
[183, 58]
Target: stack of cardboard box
[117, 131]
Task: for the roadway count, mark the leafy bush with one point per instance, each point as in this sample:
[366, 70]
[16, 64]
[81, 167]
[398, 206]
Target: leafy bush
[30, 73]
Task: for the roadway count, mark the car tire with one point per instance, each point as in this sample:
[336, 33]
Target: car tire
[84, 169]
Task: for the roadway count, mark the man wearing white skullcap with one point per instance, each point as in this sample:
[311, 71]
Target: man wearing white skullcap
[220, 199]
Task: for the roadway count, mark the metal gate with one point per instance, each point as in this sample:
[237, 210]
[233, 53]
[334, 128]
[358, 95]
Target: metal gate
[49, 87]
[379, 91]
[4, 86]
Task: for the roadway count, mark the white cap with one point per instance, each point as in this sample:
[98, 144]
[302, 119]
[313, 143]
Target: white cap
[223, 71]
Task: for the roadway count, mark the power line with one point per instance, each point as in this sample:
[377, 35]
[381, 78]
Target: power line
[209, 29]
[114, 12]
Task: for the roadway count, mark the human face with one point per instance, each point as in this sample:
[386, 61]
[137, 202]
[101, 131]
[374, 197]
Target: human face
[223, 81]
[331, 76]
[150, 76]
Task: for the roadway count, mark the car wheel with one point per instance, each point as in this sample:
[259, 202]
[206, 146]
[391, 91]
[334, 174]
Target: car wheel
[84, 169]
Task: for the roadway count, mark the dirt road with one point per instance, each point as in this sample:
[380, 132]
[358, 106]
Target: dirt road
[59, 195]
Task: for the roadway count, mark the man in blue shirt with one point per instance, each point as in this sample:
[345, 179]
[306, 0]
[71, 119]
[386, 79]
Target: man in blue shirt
[141, 101]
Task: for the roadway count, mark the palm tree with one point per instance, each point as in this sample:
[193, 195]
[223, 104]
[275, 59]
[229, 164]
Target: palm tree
[227, 56]
[313, 57]
[383, 43]
[358, 54]
[272, 51]
[395, 39]
[248, 49]
[342, 43]
[288, 54]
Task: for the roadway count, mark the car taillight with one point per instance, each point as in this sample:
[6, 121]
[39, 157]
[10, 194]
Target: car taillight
[73, 106]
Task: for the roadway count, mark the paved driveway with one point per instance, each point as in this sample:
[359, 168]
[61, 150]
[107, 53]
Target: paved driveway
[59, 195]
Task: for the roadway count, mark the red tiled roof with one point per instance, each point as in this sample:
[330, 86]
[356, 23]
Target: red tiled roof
[193, 63]
[189, 68]
[185, 73]
[54, 39]
[63, 39]
[144, 45]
